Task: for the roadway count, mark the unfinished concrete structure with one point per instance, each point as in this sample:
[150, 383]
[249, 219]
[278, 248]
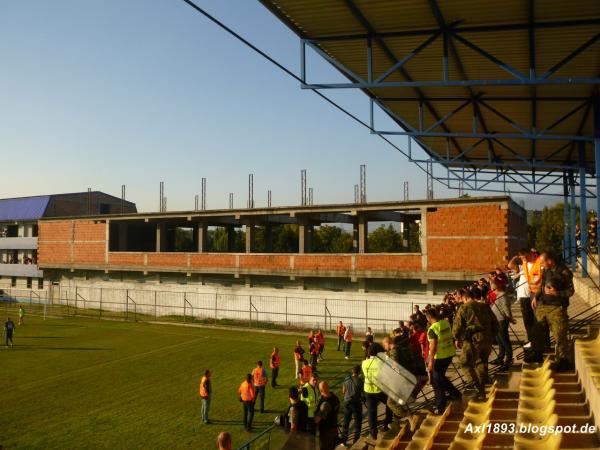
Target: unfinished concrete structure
[460, 239]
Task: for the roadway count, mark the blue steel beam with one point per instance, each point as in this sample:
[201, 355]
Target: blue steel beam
[597, 159]
[567, 81]
[570, 57]
[583, 210]
[566, 235]
[573, 208]
[458, 134]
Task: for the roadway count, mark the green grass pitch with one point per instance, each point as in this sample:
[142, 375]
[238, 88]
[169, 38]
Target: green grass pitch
[84, 383]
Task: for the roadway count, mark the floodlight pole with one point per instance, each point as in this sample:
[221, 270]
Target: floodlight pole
[573, 220]
[566, 235]
[582, 210]
[597, 159]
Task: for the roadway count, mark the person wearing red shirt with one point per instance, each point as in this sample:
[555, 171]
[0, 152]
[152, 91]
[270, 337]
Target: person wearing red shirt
[321, 340]
[274, 364]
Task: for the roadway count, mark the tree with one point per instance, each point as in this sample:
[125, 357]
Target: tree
[384, 240]
[547, 229]
[330, 239]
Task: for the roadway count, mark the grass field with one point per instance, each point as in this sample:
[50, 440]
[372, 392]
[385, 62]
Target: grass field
[84, 383]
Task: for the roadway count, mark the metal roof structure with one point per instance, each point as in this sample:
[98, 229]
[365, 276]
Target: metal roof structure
[496, 92]
[25, 208]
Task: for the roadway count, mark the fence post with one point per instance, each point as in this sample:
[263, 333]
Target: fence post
[76, 295]
[325, 314]
[286, 312]
[250, 306]
[155, 306]
[184, 305]
[127, 304]
[101, 290]
[366, 313]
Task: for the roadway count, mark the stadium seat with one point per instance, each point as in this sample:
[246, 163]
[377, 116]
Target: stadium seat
[536, 389]
[535, 379]
[538, 442]
[545, 366]
[464, 442]
[425, 435]
[535, 415]
[536, 401]
[481, 408]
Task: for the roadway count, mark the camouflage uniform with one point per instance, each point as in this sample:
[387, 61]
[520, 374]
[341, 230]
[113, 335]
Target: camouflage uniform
[553, 309]
[476, 326]
[403, 355]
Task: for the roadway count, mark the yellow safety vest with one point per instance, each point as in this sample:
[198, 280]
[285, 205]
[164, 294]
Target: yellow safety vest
[445, 345]
[310, 399]
[370, 369]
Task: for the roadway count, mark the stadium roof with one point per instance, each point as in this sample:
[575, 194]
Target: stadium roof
[499, 87]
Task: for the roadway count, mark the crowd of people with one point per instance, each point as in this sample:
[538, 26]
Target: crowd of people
[471, 319]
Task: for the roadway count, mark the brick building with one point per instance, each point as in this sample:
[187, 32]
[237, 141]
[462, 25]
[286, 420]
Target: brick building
[459, 239]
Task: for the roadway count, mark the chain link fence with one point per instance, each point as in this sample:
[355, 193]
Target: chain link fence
[277, 312]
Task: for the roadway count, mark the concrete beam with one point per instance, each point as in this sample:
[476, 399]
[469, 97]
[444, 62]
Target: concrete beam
[390, 216]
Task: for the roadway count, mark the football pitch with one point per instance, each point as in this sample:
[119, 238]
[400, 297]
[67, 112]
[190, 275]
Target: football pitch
[85, 383]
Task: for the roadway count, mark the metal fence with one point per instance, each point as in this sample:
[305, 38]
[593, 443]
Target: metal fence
[249, 310]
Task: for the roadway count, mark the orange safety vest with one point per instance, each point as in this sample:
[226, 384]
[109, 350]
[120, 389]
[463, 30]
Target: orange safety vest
[340, 329]
[534, 276]
[306, 373]
[203, 390]
[246, 391]
[260, 378]
[348, 337]
[275, 360]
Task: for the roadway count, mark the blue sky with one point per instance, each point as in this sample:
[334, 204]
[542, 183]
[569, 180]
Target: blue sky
[104, 93]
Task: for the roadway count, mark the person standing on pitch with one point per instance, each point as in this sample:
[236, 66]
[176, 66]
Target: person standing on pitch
[247, 397]
[21, 315]
[320, 337]
[298, 359]
[275, 363]
[348, 341]
[353, 391]
[373, 394]
[340, 330]
[260, 382]
[326, 417]
[205, 395]
[310, 396]
[9, 328]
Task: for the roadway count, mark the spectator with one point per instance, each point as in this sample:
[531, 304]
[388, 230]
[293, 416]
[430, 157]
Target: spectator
[369, 335]
[321, 340]
[340, 330]
[224, 441]
[352, 389]
[348, 341]
[9, 328]
[297, 412]
[274, 363]
[305, 373]
[326, 417]
[310, 396]
[298, 359]
[518, 263]
[502, 311]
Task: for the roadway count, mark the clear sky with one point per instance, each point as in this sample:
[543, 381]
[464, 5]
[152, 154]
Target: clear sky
[104, 93]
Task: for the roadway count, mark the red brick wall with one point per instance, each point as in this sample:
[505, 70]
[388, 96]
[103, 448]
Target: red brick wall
[467, 238]
[206, 260]
[126, 259]
[323, 262]
[388, 262]
[56, 243]
[167, 259]
[265, 262]
[54, 252]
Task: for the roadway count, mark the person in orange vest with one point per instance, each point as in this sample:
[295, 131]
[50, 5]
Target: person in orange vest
[348, 340]
[260, 383]
[275, 363]
[247, 397]
[305, 373]
[321, 340]
[298, 358]
[205, 394]
[340, 330]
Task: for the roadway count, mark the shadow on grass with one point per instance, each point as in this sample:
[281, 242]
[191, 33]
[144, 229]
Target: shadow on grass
[35, 347]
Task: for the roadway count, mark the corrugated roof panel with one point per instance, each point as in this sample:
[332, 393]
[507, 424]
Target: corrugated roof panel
[26, 208]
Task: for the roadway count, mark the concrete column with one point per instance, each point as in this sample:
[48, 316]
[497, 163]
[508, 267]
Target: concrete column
[201, 238]
[363, 233]
[269, 238]
[248, 281]
[122, 236]
[250, 237]
[161, 237]
[405, 233]
[304, 237]
[362, 285]
[430, 290]
[230, 238]
[423, 233]
[355, 236]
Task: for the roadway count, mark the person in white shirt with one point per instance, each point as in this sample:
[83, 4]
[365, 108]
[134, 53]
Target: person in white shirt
[523, 292]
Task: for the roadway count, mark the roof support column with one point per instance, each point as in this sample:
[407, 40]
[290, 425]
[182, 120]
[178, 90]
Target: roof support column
[423, 237]
[250, 235]
[597, 160]
[566, 235]
[363, 233]
[573, 207]
[230, 238]
[582, 210]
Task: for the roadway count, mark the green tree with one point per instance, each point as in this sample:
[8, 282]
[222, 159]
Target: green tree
[330, 239]
[547, 229]
[384, 240]
[285, 239]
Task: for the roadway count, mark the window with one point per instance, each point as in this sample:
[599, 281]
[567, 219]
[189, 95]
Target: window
[40, 283]
[13, 282]
[29, 284]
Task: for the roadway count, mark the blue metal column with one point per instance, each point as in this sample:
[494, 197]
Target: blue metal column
[573, 208]
[597, 162]
[582, 209]
[566, 243]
